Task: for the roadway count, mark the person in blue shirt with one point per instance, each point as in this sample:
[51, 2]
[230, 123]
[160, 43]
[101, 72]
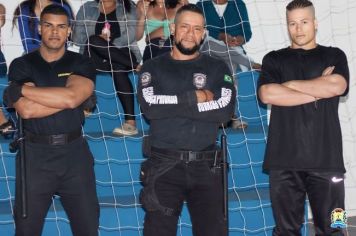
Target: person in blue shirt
[6, 125]
[3, 67]
[227, 20]
[228, 29]
[26, 17]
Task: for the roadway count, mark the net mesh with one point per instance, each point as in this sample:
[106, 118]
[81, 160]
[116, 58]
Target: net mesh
[118, 158]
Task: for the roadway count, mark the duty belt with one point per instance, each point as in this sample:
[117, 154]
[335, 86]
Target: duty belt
[187, 156]
[54, 139]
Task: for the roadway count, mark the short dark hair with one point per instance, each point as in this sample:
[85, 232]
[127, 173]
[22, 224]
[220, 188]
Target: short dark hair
[296, 4]
[55, 10]
[188, 7]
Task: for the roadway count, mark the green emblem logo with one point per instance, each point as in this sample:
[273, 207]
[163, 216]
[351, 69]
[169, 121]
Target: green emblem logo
[228, 78]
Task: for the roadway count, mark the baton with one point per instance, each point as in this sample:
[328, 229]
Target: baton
[224, 167]
[22, 163]
[19, 145]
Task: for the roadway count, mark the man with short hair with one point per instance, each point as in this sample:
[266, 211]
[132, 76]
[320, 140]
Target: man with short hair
[47, 88]
[303, 83]
[186, 96]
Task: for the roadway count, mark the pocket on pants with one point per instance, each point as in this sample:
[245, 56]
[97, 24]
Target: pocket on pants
[151, 170]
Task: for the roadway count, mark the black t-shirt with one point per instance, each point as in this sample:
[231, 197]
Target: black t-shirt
[33, 68]
[167, 97]
[304, 137]
[114, 25]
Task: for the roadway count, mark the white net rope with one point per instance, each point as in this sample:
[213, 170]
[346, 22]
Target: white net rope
[118, 158]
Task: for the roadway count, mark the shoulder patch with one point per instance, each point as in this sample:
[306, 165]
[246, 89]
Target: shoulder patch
[227, 78]
[145, 79]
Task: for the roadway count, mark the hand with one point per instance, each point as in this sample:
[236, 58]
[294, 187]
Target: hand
[201, 96]
[237, 41]
[226, 38]
[142, 7]
[328, 70]
[204, 95]
[209, 95]
[105, 36]
[31, 84]
[231, 41]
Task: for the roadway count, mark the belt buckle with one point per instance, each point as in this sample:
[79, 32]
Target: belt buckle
[57, 139]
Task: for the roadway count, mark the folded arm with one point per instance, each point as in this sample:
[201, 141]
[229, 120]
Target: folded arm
[214, 104]
[28, 109]
[280, 95]
[157, 105]
[76, 91]
[298, 92]
[325, 86]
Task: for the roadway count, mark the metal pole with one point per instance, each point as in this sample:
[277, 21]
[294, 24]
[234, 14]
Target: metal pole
[224, 167]
[22, 163]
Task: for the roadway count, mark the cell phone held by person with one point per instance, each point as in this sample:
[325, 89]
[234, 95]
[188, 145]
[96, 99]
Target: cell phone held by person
[106, 29]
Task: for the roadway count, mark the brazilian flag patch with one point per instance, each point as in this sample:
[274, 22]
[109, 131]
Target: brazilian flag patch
[227, 78]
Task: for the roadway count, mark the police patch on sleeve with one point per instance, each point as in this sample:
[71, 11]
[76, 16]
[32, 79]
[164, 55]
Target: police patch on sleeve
[145, 79]
[199, 80]
[227, 78]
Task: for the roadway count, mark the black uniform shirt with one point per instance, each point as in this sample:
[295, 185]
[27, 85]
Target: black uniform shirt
[304, 137]
[167, 97]
[33, 68]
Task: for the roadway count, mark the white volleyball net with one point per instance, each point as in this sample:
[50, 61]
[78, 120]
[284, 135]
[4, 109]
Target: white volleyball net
[118, 158]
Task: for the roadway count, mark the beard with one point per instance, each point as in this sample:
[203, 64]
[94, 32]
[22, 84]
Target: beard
[187, 51]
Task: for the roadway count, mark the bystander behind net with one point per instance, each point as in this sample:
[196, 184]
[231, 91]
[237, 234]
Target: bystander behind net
[118, 157]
